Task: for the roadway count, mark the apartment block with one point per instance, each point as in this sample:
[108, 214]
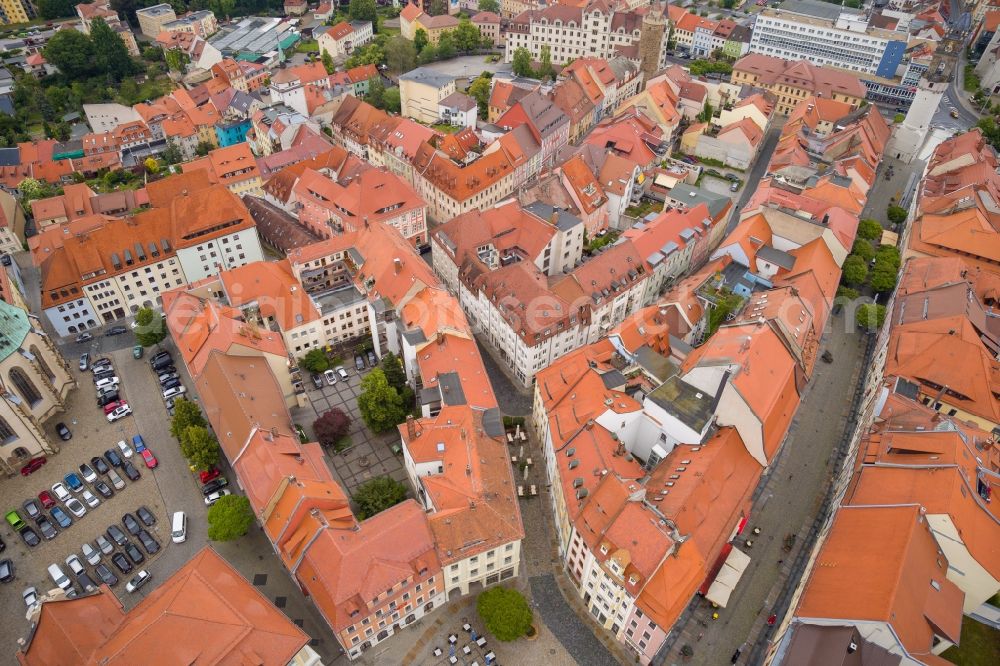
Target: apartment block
[791, 81]
[152, 19]
[233, 166]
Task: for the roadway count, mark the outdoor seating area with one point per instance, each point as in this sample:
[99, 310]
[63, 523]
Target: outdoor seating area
[467, 647]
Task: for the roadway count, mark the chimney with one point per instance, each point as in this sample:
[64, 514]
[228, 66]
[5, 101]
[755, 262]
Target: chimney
[397, 264]
[274, 433]
[411, 428]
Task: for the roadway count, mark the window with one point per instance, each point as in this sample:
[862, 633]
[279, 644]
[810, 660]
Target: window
[7, 434]
[25, 386]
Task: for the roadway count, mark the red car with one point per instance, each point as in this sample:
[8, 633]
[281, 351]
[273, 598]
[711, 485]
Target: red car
[33, 466]
[45, 497]
[149, 458]
[208, 475]
[112, 406]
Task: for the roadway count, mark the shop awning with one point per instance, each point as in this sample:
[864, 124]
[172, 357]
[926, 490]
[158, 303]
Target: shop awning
[727, 578]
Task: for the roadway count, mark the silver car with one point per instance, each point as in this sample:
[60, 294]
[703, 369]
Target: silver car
[75, 507]
[90, 554]
[104, 545]
[90, 499]
[116, 480]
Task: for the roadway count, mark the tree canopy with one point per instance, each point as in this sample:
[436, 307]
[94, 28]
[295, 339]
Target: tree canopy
[72, 52]
[332, 427]
[186, 414]
[363, 10]
[896, 214]
[200, 447]
[870, 316]
[505, 612]
[377, 495]
[489, 6]
[380, 404]
[315, 361]
[855, 270]
[151, 329]
[229, 518]
[869, 229]
[480, 91]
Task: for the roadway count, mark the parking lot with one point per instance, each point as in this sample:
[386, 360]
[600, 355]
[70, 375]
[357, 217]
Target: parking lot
[369, 455]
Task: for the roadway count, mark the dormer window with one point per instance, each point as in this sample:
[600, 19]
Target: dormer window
[604, 549]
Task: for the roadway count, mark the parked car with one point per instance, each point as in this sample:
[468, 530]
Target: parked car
[342, 372]
[119, 413]
[125, 449]
[103, 544]
[91, 554]
[106, 575]
[84, 361]
[174, 392]
[33, 466]
[121, 563]
[75, 565]
[158, 356]
[103, 373]
[115, 330]
[171, 383]
[137, 351]
[74, 482]
[151, 545]
[104, 489]
[99, 465]
[330, 376]
[115, 534]
[45, 497]
[14, 520]
[214, 485]
[112, 406]
[138, 581]
[6, 571]
[131, 524]
[109, 397]
[86, 582]
[75, 507]
[30, 596]
[90, 499]
[116, 480]
[60, 491]
[216, 496]
[84, 337]
[146, 516]
[134, 553]
[100, 362]
[131, 472]
[208, 474]
[63, 432]
[89, 475]
[32, 509]
[138, 443]
[46, 528]
[317, 381]
[149, 459]
[108, 382]
[113, 458]
[60, 517]
[29, 536]
[166, 377]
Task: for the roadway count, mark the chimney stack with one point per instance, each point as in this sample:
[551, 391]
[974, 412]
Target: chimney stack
[411, 428]
[397, 264]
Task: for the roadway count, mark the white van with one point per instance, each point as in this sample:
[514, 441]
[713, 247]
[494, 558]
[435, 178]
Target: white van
[178, 527]
[58, 577]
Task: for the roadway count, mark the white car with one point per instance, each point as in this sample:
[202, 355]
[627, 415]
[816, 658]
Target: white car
[75, 565]
[137, 581]
[92, 555]
[125, 449]
[74, 506]
[90, 499]
[30, 596]
[174, 392]
[216, 496]
[331, 377]
[119, 413]
[60, 492]
[88, 474]
[107, 382]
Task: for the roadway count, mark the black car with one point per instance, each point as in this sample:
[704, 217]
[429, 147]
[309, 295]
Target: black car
[131, 524]
[101, 365]
[115, 534]
[3, 546]
[104, 360]
[63, 432]
[113, 458]
[103, 373]
[131, 472]
[86, 582]
[100, 465]
[84, 337]
[134, 553]
[30, 537]
[121, 562]
[106, 575]
[47, 529]
[146, 516]
[170, 383]
[213, 485]
[32, 509]
[115, 330]
[359, 363]
[148, 542]
[6, 571]
[159, 357]
[104, 489]
[107, 398]
[372, 359]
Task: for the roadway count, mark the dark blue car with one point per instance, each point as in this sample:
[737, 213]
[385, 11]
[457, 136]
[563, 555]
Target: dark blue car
[61, 517]
[74, 482]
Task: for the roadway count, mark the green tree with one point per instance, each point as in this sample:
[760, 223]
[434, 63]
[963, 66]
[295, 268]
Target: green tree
[846, 294]
[186, 415]
[400, 54]
[200, 447]
[327, 61]
[869, 229]
[376, 91]
[438, 8]
[393, 370]
[706, 112]
[896, 214]
[870, 316]
[505, 612]
[883, 278]
[480, 91]
[391, 101]
[363, 10]
[420, 39]
[380, 404]
[315, 361]
[32, 189]
[152, 54]
[229, 518]
[377, 495]
[176, 60]
[110, 53]
[203, 148]
[72, 52]
[489, 6]
[446, 45]
[369, 54]
[151, 329]
[855, 270]
[52, 9]
[427, 55]
[521, 64]
[172, 153]
[467, 36]
[863, 249]
[545, 69]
